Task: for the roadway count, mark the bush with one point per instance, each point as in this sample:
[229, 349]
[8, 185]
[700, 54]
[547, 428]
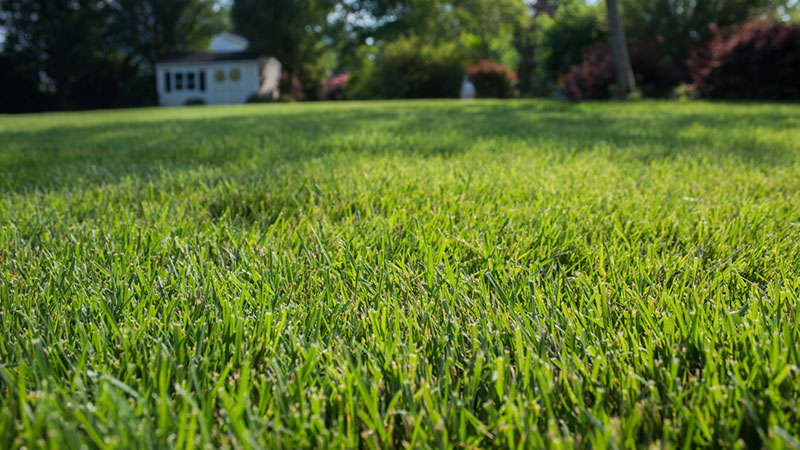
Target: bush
[492, 80]
[573, 30]
[194, 102]
[682, 25]
[590, 79]
[759, 61]
[20, 85]
[258, 97]
[414, 68]
[656, 76]
[593, 78]
[291, 86]
[684, 92]
[334, 87]
[261, 98]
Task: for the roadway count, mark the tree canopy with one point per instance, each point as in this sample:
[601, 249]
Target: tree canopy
[97, 53]
[680, 26]
[101, 53]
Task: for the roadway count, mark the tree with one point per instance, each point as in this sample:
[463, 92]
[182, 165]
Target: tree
[290, 30]
[389, 20]
[95, 53]
[623, 72]
[65, 43]
[548, 7]
[151, 29]
[554, 40]
[417, 69]
[486, 27]
[19, 85]
[573, 29]
[683, 25]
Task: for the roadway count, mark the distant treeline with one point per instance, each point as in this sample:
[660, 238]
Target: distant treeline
[79, 54]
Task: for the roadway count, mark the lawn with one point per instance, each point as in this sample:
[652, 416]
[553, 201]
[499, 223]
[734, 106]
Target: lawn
[429, 274]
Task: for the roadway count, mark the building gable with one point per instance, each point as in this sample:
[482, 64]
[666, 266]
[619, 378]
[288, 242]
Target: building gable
[229, 42]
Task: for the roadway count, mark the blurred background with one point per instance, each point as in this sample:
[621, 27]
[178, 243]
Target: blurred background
[87, 54]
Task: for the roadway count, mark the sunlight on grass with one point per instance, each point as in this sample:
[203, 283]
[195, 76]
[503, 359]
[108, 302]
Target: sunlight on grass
[423, 274]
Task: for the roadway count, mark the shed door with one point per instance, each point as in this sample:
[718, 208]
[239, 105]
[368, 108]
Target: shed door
[228, 84]
[219, 76]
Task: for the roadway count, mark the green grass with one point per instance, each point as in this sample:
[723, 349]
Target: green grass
[432, 274]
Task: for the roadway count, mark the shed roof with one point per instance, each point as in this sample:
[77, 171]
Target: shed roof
[196, 57]
[228, 42]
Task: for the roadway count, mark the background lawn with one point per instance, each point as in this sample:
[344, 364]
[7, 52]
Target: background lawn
[423, 274]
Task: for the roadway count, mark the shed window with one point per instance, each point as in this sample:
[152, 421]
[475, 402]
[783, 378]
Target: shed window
[236, 74]
[190, 81]
[167, 81]
[203, 80]
[178, 81]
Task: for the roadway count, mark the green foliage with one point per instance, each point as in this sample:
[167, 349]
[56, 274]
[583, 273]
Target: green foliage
[20, 84]
[474, 29]
[388, 20]
[42, 67]
[564, 38]
[413, 68]
[486, 27]
[194, 102]
[359, 61]
[789, 10]
[90, 53]
[483, 28]
[260, 98]
[155, 28]
[684, 25]
[44, 34]
[593, 78]
[291, 31]
[402, 274]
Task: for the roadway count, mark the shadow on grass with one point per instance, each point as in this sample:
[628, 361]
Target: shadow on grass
[104, 153]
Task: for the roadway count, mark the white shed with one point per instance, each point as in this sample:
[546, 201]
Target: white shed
[225, 75]
[229, 42]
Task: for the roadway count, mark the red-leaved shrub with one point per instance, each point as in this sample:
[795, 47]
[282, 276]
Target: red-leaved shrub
[590, 79]
[656, 75]
[333, 88]
[593, 78]
[294, 89]
[492, 80]
[761, 60]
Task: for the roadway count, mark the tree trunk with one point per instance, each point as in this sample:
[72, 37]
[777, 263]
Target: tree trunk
[623, 72]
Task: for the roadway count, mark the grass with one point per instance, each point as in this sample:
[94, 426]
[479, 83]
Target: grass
[430, 274]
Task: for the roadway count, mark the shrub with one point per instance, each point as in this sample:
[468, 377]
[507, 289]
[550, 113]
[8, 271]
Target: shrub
[656, 75]
[194, 102]
[261, 98]
[334, 87]
[291, 86]
[590, 79]
[492, 79]
[683, 93]
[20, 85]
[593, 77]
[414, 68]
[682, 25]
[759, 61]
[574, 29]
[258, 97]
